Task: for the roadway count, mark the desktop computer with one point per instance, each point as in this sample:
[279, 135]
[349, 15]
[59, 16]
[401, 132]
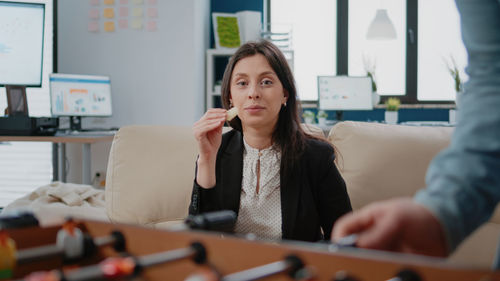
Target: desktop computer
[22, 49]
[22, 125]
[78, 96]
[21, 43]
[341, 93]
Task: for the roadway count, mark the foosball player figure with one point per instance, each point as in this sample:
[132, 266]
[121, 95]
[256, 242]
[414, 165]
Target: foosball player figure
[70, 239]
[7, 255]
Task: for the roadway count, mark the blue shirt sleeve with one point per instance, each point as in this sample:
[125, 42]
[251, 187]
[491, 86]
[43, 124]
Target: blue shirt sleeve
[463, 181]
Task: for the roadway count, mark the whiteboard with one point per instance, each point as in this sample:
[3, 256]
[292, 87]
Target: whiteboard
[345, 93]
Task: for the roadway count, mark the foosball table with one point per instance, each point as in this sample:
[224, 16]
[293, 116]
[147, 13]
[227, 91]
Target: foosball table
[93, 250]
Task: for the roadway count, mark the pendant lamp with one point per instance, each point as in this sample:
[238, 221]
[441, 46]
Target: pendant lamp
[381, 27]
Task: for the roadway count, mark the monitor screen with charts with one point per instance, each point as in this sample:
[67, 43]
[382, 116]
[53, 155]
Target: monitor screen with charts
[345, 93]
[80, 95]
[21, 43]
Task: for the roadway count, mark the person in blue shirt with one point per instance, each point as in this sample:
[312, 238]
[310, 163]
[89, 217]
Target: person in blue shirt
[463, 181]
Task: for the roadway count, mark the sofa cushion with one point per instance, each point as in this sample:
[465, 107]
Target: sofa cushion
[380, 161]
[313, 130]
[150, 174]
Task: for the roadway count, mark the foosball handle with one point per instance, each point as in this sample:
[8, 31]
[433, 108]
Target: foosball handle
[17, 220]
[200, 256]
[116, 239]
[295, 263]
[215, 221]
[120, 243]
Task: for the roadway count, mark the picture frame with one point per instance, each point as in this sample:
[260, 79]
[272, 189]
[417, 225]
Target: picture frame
[17, 103]
[227, 30]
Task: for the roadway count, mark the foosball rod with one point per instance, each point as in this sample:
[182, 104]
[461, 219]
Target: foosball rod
[112, 268]
[116, 239]
[291, 265]
[214, 221]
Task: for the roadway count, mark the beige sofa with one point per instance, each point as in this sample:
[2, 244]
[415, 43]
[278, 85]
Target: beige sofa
[151, 169]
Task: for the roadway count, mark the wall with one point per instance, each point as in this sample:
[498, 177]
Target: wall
[157, 77]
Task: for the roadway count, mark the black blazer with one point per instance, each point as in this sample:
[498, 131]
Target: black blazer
[312, 198]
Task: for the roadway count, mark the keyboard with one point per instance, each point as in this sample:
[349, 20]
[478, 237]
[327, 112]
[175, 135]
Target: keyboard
[428, 123]
[87, 133]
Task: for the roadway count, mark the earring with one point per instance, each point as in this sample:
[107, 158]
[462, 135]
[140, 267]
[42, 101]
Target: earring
[230, 103]
[284, 104]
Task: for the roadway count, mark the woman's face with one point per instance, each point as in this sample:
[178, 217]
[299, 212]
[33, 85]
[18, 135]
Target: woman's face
[257, 92]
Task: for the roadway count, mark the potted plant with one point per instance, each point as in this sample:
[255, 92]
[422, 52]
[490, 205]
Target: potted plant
[391, 111]
[322, 117]
[369, 65]
[308, 117]
[455, 74]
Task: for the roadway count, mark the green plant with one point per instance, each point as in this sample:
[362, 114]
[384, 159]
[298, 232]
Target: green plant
[322, 114]
[308, 114]
[455, 74]
[374, 84]
[392, 104]
[369, 65]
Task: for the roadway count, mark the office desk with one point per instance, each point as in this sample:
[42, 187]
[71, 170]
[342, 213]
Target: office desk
[59, 151]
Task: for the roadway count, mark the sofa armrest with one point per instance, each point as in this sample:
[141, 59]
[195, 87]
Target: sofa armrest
[150, 174]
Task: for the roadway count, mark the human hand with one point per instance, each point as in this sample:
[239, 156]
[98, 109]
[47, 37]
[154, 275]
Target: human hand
[208, 132]
[398, 225]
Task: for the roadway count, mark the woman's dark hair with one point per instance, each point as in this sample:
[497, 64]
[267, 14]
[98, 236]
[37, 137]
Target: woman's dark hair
[288, 133]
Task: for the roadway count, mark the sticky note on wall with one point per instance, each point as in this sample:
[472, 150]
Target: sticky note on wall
[152, 12]
[94, 2]
[137, 12]
[109, 2]
[109, 13]
[137, 24]
[93, 26]
[123, 23]
[152, 26]
[124, 2]
[123, 12]
[138, 2]
[94, 14]
[109, 26]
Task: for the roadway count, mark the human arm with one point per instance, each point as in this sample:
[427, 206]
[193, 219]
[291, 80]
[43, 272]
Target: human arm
[203, 199]
[399, 225]
[208, 134]
[463, 182]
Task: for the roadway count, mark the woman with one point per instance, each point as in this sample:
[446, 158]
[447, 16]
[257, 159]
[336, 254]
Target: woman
[281, 182]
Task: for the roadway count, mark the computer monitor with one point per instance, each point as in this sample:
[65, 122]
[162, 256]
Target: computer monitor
[21, 43]
[79, 96]
[344, 93]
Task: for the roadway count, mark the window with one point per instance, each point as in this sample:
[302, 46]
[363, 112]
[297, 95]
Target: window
[412, 66]
[439, 42]
[313, 24]
[387, 57]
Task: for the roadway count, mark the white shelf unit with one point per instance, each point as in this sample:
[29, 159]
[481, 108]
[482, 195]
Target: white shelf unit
[217, 58]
